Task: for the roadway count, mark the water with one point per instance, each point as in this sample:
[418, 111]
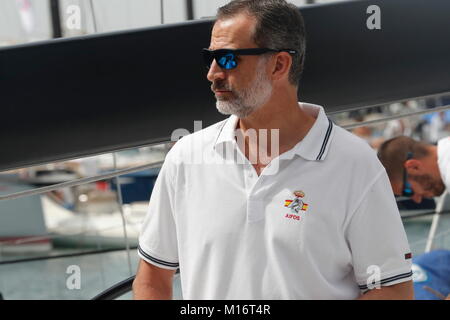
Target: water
[51, 279]
[417, 230]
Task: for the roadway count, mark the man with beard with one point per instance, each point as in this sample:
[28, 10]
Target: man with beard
[225, 222]
[416, 169]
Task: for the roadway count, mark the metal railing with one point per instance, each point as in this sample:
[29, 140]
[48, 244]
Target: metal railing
[121, 288]
[114, 174]
[77, 182]
[117, 290]
[395, 117]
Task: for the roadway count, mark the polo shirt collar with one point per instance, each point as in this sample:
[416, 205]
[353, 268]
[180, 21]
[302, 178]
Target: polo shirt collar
[315, 144]
[227, 131]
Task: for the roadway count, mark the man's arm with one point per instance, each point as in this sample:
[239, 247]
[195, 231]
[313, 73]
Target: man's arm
[400, 291]
[152, 283]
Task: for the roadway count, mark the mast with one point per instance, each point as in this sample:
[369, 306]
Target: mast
[189, 10]
[56, 18]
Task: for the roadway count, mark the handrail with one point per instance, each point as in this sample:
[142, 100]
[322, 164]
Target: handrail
[395, 117]
[67, 255]
[119, 289]
[80, 181]
[116, 290]
[423, 214]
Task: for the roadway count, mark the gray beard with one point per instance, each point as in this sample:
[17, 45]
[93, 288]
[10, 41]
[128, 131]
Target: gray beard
[428, 184]
[249, 99]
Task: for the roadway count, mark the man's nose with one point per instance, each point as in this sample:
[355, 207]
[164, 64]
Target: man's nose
[215, 72]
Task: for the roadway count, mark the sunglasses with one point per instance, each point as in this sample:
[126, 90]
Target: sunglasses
[407, 189]
[226, 58]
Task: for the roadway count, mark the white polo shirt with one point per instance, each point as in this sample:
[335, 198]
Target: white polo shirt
[443, 150]
[237, 235]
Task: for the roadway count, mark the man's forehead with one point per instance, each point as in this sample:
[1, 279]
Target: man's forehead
[233, 32]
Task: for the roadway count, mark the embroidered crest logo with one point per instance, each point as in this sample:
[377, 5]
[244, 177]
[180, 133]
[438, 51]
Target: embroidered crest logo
[296, 205]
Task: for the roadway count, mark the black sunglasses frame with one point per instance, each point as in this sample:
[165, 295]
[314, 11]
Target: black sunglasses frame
[407, 190]
[210, 55]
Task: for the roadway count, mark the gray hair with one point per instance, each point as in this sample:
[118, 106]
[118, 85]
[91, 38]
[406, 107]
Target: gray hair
[279, 25]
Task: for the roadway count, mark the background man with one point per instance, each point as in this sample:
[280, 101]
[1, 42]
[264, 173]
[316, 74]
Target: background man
[416, 169]
[226, 224]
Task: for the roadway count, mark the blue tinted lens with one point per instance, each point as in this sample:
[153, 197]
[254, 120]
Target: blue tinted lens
[407, 190]
[227, 61]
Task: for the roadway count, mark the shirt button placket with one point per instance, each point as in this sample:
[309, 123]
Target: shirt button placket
[255, 210]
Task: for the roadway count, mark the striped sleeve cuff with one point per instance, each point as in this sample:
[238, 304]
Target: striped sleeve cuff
[388, 281]
[155, 261]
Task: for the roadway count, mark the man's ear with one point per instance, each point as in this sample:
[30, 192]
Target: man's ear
[414, 166]
[283, 62]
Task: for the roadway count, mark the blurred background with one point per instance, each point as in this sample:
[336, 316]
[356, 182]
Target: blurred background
[24, 21]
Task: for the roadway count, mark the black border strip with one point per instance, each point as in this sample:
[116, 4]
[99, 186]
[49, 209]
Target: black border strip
[325, 141]
[390, 279]
[162, 262]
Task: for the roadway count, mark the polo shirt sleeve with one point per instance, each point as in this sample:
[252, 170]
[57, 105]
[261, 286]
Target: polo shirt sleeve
[158, 239]
[377, 239]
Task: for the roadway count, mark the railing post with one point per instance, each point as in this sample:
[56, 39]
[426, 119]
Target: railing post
[56, 18]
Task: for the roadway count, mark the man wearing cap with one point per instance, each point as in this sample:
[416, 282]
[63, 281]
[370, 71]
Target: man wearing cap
[226, 222]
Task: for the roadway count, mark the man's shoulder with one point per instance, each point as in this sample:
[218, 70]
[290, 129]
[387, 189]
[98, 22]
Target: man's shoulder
[356, 163]
[353, 149]
[350, 143]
